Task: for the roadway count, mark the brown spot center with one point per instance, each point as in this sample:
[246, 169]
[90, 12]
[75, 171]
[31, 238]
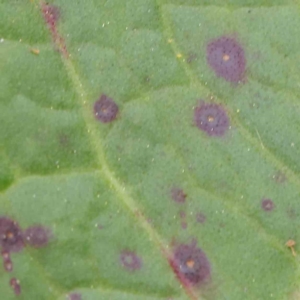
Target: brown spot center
[9, 235]
[226, 57]
[210, 119]
[190, 263]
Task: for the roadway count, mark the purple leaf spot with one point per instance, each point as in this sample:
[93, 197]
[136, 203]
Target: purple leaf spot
[7, 263]
[74, 296]
[227, 58]
[11, 239]
[105, 109]
[37, 236]
[178, 195]
[267, 205]
[211, 118]
[15, 284]
[191, 265]
[130, 260]
[200, 218]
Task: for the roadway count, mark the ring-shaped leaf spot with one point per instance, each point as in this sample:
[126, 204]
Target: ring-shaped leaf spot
[130, 260]
[192, 264]
[211, 118]
[227, 58]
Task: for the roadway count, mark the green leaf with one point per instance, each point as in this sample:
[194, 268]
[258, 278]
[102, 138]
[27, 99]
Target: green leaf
[137, 205]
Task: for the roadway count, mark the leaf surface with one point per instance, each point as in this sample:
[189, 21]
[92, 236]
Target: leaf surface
[122, 200]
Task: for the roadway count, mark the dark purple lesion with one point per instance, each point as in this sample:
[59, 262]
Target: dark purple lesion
[7, 263]
[211, 118]
[227, 58]
[37, 236]
[190, 264]
[178, 195]
[105, 109]
[267, 205]
[130, 260]
[15, 285]
[11, 237]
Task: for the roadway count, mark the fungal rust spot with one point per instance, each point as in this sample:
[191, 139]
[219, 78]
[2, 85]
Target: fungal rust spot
[130, 260]
[227, 58]
[105, 109]
[211, 118]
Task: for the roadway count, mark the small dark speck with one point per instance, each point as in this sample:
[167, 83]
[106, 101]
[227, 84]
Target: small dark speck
[267, 205]
[7, 263]
[15, 284]
[178, 195]
[105, 109]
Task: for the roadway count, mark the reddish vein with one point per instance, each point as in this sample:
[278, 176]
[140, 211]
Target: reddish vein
[51, 15]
